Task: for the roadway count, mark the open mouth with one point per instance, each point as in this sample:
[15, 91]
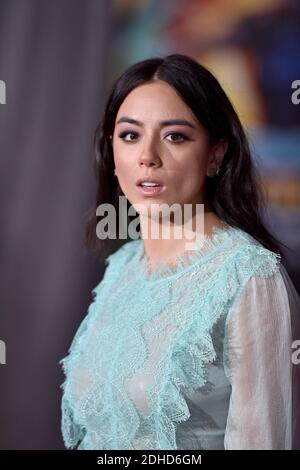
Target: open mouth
[150, 188]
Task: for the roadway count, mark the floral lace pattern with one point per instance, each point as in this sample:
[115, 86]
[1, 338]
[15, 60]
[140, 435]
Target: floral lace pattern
[150, 339]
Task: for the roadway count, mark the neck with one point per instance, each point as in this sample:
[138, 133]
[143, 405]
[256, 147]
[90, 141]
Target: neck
[164, 239]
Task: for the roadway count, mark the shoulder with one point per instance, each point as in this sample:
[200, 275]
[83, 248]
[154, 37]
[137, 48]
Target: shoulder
[251, 258]
[263, 282]
[119, 259]
[124, 253]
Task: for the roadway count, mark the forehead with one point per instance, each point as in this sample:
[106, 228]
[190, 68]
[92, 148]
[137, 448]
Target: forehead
[155, 100]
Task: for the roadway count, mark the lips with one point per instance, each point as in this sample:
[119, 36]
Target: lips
[150, 190]
[153, 189]
[149, 179]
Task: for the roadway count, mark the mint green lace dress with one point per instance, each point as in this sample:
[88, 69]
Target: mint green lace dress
[195, 355]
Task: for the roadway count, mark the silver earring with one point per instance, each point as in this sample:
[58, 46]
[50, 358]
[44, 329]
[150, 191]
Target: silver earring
[213, 172]
[115, 172]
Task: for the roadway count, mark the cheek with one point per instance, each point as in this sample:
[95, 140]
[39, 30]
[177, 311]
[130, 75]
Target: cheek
[191, 183]
[192, 172]
[123, 164]
[124, 167]
[125, 174]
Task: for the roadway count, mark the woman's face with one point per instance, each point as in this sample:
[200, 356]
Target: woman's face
[144, 145]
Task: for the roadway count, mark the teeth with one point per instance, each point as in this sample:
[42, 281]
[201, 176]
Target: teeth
[150, 184]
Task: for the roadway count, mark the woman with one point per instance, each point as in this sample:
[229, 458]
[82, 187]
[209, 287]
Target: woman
[181, 348]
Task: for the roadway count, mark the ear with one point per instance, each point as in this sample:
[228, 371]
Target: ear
[217, 152]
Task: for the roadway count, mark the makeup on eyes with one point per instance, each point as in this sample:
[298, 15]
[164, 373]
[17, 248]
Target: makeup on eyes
[181, 137]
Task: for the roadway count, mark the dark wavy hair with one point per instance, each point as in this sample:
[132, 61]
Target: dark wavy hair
[236, 194]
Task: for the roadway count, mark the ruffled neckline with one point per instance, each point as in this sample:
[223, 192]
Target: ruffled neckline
[186, 260]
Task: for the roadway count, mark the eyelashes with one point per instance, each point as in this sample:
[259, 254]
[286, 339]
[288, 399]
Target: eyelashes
[179, 135]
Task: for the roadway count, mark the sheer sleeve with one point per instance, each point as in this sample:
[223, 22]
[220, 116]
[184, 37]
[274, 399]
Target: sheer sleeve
[261, 329]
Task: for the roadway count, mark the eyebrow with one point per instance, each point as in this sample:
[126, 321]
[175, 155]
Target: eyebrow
[169, 122]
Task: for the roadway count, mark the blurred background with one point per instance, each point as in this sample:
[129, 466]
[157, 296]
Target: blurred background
[58, 60]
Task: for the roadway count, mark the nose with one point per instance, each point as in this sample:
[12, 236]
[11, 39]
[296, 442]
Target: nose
[150, 156]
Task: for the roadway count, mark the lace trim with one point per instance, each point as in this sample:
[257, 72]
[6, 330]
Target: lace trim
[211, 245]
[182, 260]
[195, 350]
[185, 364]
[73, 432]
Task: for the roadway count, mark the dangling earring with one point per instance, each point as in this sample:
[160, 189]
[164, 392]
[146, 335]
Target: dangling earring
[115, 172]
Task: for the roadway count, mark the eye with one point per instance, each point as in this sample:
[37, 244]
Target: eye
[179, 138]
[125, 133]
[177, 134]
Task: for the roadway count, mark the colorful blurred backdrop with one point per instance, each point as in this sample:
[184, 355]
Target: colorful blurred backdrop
[58, 60]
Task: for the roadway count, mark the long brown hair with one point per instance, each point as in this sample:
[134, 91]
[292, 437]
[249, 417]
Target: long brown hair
[235, 194]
